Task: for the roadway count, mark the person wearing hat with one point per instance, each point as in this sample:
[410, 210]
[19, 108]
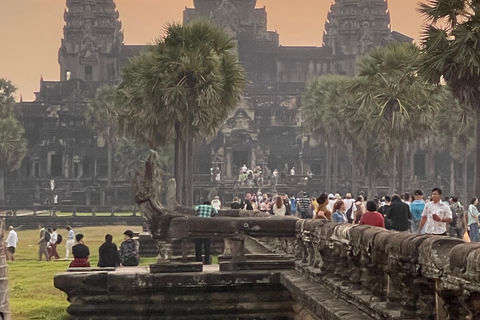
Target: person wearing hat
[416, 207]
[216, 203]
[331, 201]
[129, 250]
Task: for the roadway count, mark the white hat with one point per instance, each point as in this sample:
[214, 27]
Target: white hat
[331, 196]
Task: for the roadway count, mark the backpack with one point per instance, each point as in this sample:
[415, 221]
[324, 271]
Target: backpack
[455, 210]
[59, 239]
[47, 236]
[349, 214]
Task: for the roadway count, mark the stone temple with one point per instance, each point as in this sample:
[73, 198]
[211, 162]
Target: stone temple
[265, 129]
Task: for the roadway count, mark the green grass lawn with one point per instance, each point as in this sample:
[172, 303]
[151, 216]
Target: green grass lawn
[32, 294]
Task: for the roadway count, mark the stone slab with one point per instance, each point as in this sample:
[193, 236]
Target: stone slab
[257, 265]
[176, 267]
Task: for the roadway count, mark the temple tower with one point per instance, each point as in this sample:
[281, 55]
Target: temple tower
[92, 41]
[354, 27]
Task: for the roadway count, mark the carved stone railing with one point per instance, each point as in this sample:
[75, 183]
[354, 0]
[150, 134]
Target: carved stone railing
[392, 274]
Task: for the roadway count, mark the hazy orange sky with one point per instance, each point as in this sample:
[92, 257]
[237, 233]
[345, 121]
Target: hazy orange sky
[31, 30]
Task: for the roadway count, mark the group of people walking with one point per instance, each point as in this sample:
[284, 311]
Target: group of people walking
[109, 254]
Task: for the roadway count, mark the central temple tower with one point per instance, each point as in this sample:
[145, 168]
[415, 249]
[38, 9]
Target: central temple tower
[92, 41]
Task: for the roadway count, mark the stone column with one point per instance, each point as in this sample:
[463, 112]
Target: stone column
[253, 158]
[228, 163]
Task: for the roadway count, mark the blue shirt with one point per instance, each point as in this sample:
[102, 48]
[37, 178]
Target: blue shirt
[338, 217]
[416, 207]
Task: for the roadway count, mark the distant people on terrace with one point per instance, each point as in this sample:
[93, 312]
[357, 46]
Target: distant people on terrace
[473, 222]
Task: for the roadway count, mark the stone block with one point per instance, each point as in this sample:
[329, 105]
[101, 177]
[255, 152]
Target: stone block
[176, 267]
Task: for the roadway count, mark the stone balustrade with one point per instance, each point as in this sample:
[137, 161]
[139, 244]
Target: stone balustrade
[394, 275]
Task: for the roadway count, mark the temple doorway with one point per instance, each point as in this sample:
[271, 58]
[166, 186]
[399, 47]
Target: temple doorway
[239, 159]
[56, 165]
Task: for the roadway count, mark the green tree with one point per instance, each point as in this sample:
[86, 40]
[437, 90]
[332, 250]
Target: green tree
[180, 90]
[456, 123]
[13, 145]
[130, 155]
[395, 100]
[451, 40]
[101, 116]
[323, 101]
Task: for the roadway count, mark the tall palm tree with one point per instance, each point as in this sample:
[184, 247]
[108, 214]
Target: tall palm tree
[180, 90]
[322, 103]
[456, 123]
[13, 145]
[450, 40]
[101, 116]
[398, 103]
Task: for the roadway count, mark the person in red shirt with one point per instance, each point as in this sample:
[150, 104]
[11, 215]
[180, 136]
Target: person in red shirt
[372, 217]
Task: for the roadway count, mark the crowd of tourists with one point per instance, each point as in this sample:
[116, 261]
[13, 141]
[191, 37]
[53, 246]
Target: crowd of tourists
[109, 254]
[417, 213]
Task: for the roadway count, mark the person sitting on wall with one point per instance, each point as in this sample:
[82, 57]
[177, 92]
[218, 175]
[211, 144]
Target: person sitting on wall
[80, 254]
[129, 250]
[108, 253]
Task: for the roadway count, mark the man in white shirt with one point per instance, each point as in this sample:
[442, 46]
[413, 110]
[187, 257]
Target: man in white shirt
[435, 215]
[11, 244]
[216, 203]
[331, 201]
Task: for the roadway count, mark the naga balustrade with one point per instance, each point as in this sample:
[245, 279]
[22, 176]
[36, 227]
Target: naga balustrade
[392, 274]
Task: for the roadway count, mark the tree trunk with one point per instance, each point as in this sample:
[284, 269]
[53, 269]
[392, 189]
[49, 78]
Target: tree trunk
[452, 176]
[354, 172]
[476, 188]
[335, 168]
[178, 168]
[372, 185]
[401, 155]
[327, 168]
[2, 185]
[109, 163]
[189, 165]
[393, 170]
[465, 176]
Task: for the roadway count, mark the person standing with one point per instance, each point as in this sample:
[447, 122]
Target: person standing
[339, 209]
[371, 217]
[80, 254]
[11, 244]
[42, 243]
[108, 255]
[350, 206]
[204, 210]
[70, 242]
[129, 250]
[322, 211]
[473, 222]
[216, 203]
[459, 222]
[52, 244]
[416, 207]
[398, 215]
[303, 206]
[435, 215]
[279, 207]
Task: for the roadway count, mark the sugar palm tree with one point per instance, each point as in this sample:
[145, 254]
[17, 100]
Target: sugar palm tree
[450, 40]
[101, 116]
[180, 90]
[456, 123]
[398, 103]
[13, 145]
